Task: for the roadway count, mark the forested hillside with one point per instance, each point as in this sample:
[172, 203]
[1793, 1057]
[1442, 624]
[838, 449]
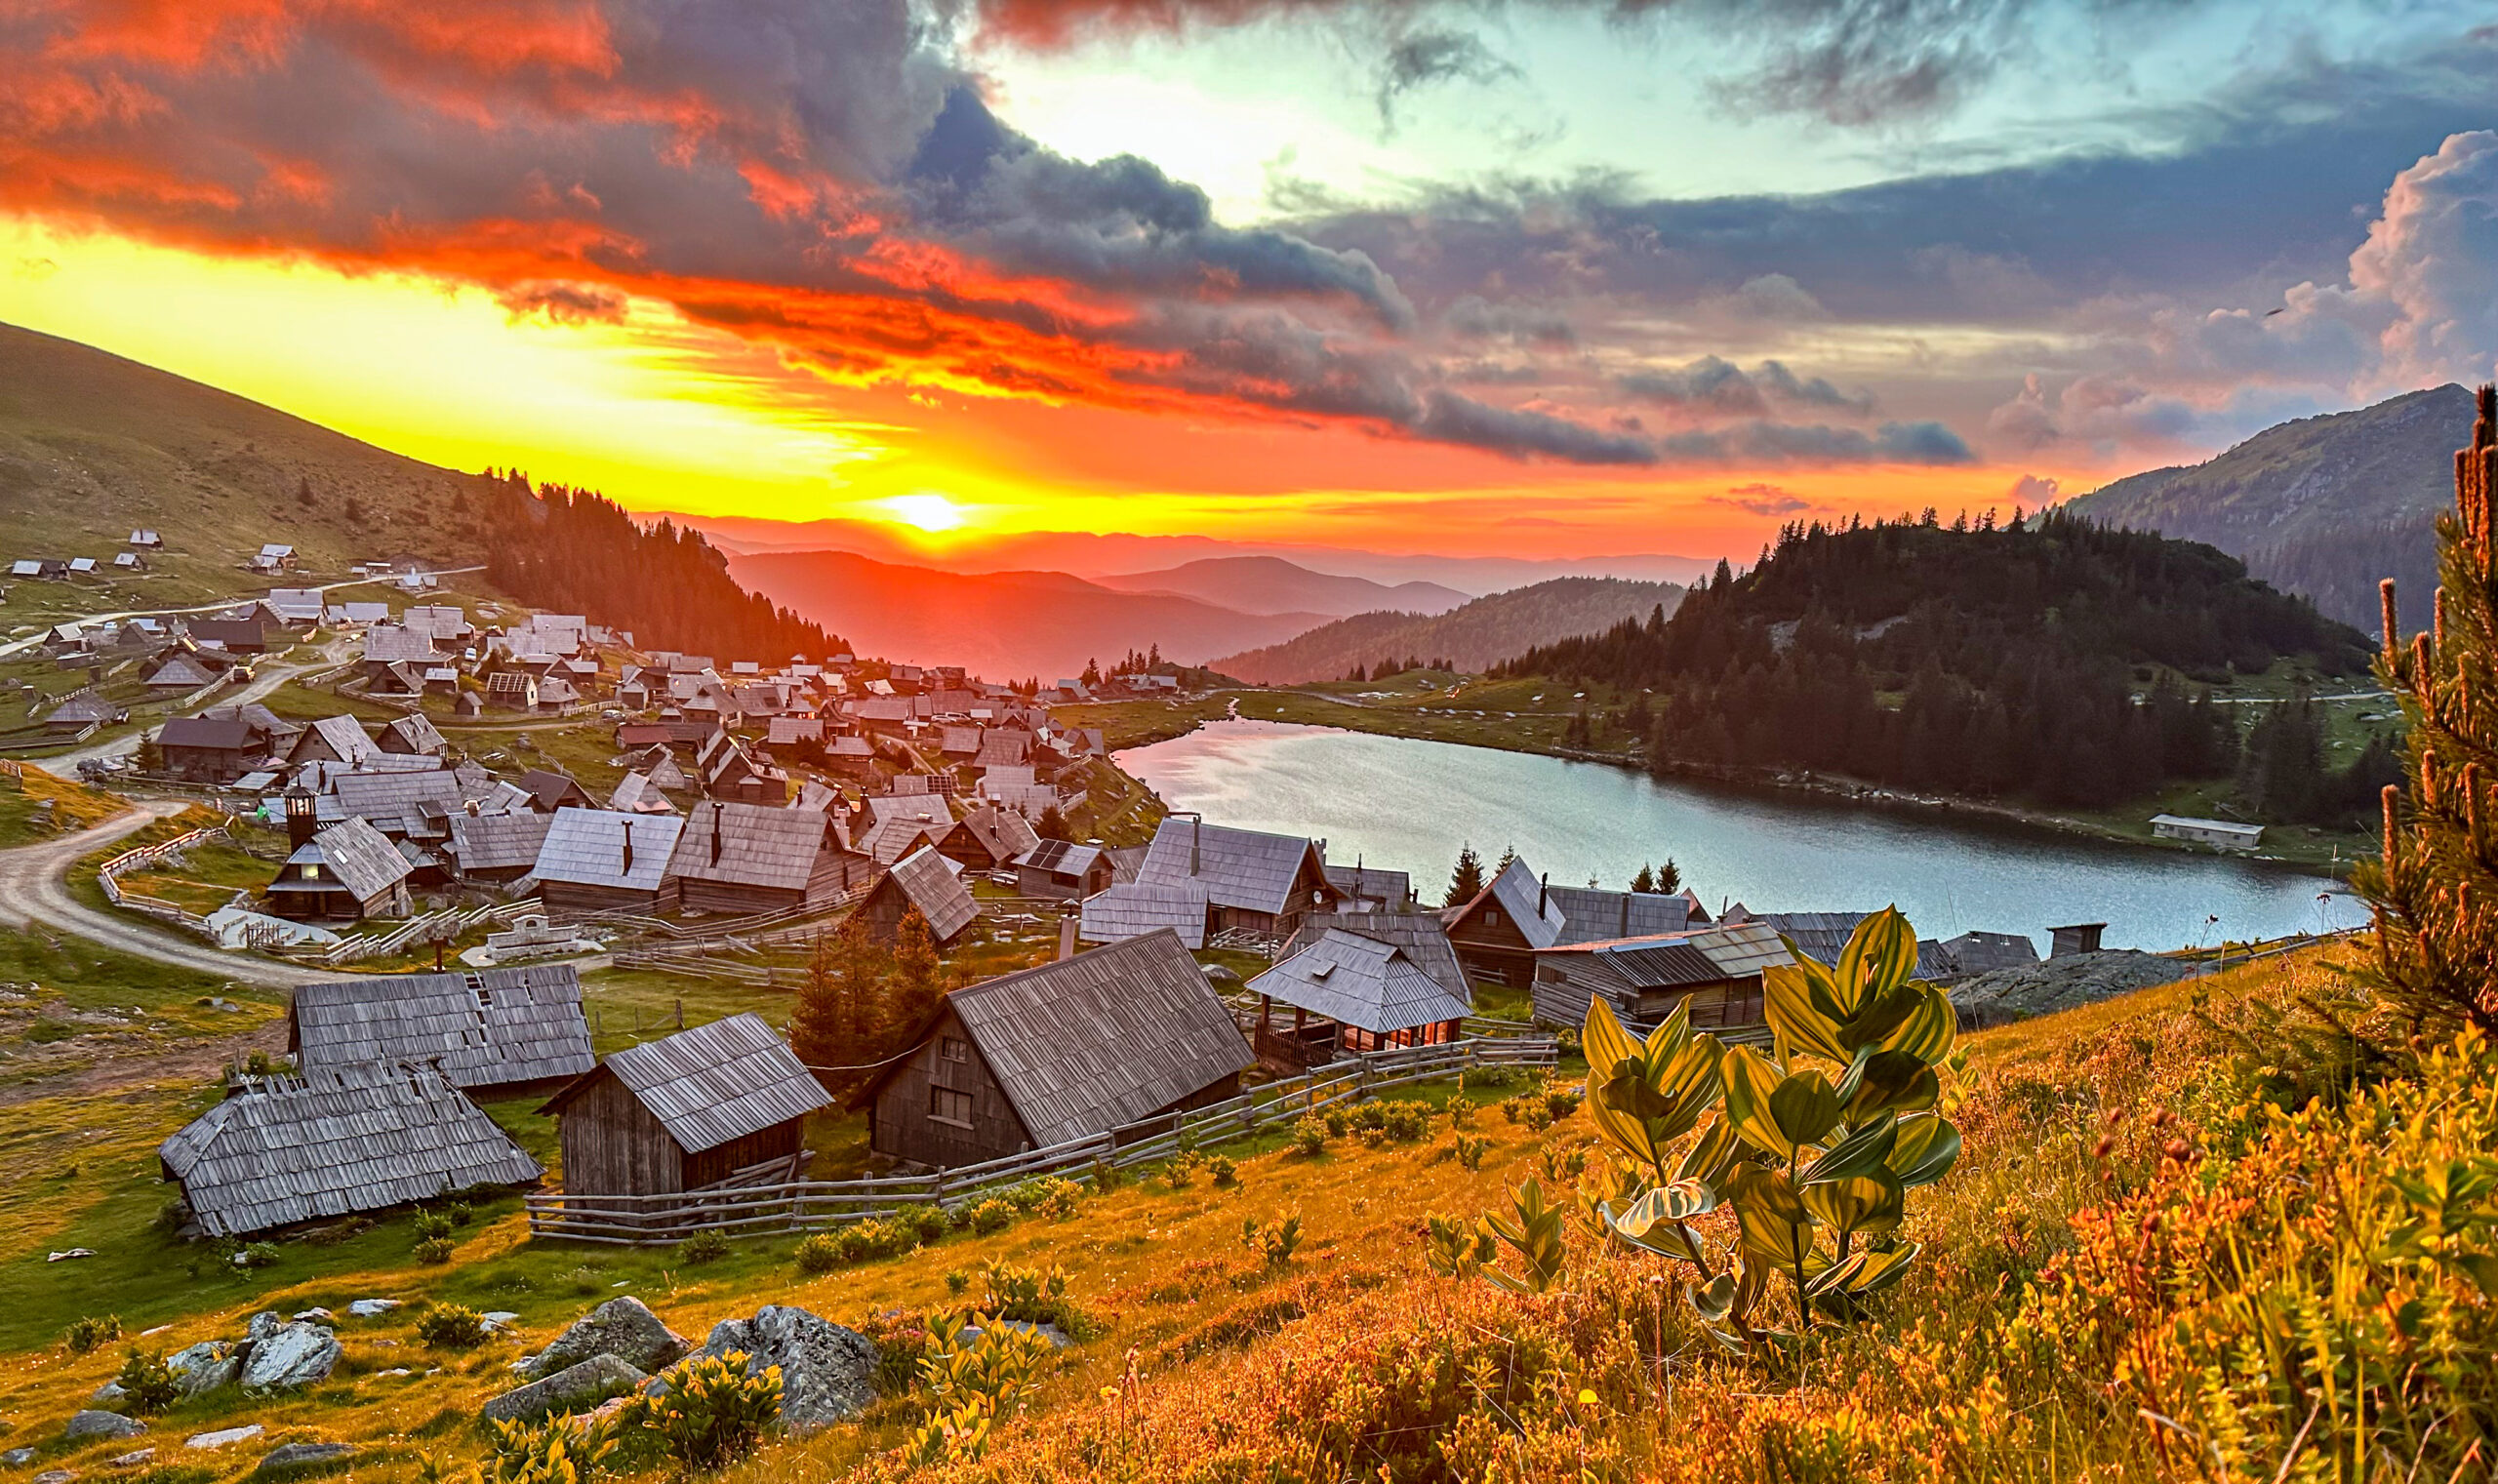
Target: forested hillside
[1474, 637]
[572, 551]
[1992, 662]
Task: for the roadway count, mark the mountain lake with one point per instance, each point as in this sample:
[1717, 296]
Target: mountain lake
[1408, 805]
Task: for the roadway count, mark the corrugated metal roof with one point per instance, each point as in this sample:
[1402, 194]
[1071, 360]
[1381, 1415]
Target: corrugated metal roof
[330, 1144]
[927, 880]
[1358, 980]
[1420, 935]
[586, 847]
[750, 845]
[717, 1082]
[1243, 868]
[1134, 909]
[496, 1025]
[1091, 1042]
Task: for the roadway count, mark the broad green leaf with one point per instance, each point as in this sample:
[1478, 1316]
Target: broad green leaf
[1750, 1082]
[1878, 1270]
[1924, 1151]
[1714, 1299]
[1927, 1034]
[1868, 1203]
[1894, 1080]
[1711, 1154]
[1881, 953]
[1861, 1150]
[1610, 1052]
[1882, 1013]
[1805, 1107]
[1798, 1002]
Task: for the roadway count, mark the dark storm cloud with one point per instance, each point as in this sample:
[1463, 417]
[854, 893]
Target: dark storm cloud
[1431, 57]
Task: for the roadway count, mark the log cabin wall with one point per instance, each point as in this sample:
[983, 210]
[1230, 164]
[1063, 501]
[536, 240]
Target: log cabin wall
[981, 1124]
[613, 1145]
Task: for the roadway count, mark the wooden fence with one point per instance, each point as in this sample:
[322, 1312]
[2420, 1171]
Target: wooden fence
[108, 879]
[802, 1205]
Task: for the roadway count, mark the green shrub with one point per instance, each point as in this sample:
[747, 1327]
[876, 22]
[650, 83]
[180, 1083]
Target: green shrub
[460, 1213]
[256, 1255]
[1274, 1245]
[714, 1412]
[819, 1253]
[553, 1449]
[147, 1384]
[434, 1252]
[1059, 1198]
[426, 1225]
[1024, 1197]
[1339, 1122]
[1032, 1296]
[1562, 1101]
[957, 1281]
[1309, 1136]
[929, 1222]
[989, 1217]
[1182, 1169]
[1396, 1120]
[84, 1335]
[1528, 1110]
[702, 1247]
[1224, 1171]
[1470, 1151]
[451, 1327]
[171, 1215]
[885, 1237]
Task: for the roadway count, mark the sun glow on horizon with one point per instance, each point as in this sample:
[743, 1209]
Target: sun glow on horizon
[925, 510]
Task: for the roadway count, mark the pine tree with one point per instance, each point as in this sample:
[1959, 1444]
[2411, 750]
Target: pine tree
[1645, 881]
[1508, 857]
[1669, 877]
[917, 975]
[1052, 825]
[2435, 893]
[1466, 882]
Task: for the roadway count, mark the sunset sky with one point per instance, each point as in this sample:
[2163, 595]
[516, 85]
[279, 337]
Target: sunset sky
[1549, 278]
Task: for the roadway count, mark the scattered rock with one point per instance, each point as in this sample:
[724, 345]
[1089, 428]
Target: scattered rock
[204, 1367]
[74, 1252]
[311, 1314]
[52, 1476]
[498, 1318]
[2075, 979]
[289, 1355]
[18, 1458]
[95, 1424]
[570, 1389]
[624, 1328]
[135, 1458]
[368, 1308]
[264, 1324]
[299, 1457]
[828, 1373]
[109, 1396]
[224, 1437]
[394, 1371]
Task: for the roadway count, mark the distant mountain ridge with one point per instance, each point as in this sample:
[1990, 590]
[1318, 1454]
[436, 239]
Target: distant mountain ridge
[2323, 506]
[1002, 624]
[1270, 585]
[1488, 631]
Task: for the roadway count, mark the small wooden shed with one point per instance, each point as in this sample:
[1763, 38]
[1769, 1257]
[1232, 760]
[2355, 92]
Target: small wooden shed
[496, 1031]
[596, 860]
[723, 1104]
[751, 857]
[1059, 1053]
[922, 879]
[1058, 868]
[1349, 992]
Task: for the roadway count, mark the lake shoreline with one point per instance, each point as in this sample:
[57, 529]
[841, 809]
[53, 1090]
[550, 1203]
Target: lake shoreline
[2314, 857]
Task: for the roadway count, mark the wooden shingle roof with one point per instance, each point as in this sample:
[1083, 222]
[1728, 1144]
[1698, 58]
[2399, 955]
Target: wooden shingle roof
[416, 733]
[361, 858]
[1092, 1042]
[494, 1026]
[712, 1084]
[1002, 832]
[1134, 909]
[389, 642]
[494, 842]
[927, 880]
[328, 1143]
[748, 845]
[586, 847]
[1419, 935]
[1516, 891]
[1358, 980]
[1244, 868]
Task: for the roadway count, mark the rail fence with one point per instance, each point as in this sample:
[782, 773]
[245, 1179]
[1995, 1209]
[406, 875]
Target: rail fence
[800, 1205]
[108, 879]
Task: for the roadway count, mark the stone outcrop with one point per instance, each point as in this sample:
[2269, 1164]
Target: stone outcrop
[2059, 984]
[828, 1373]
[624, 1328]
[575, 1389]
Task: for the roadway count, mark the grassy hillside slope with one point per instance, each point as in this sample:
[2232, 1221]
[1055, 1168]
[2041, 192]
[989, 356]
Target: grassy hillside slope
[2323, 506]
[1476, 637]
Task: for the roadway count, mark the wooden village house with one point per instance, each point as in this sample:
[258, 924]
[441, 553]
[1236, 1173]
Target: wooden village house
[1349, 992]
[922, 879]
[987, 838]
[723, 1104]
[1253, 881]
[1066, 871]
[356, 1138]
[493, 1033]
[596, 860]
[1072, 1049]
[747, 857]
[1517, 916]
[1717, 971]
[489, 849]
[347, 871]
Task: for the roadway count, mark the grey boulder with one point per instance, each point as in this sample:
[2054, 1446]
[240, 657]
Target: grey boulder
[204, 1367]
[624, 1328]
[2026, 990]
[18, 1458]
[289, 1355]
[828, 1373]
[574, 1388]
[95, 1424]
[368, 1308]
[297, 1458]
[109, 1396]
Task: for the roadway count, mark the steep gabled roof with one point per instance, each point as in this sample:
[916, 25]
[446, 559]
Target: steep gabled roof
[1418, 934]
[1702, 955]
[416, 733]
[1134, 909]
[388, 643]
[1516, 891]
[361, 858]
[1370, 883]
[586, 847]
[714, 1083]
[345, 736]
[496, 842]
[636, 793]
[927, 881]
[1361, 982]
[214, 733]
[1004, 833]
[491, 1027]
[1061, 857]
[1105, 1038]
[1243, 868]
[750, 845]
[328, 1143]
[1590, 914]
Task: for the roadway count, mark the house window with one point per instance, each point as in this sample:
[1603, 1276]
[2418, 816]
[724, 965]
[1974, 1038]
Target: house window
[312, 872]
[947, 1106]
[954, 1049]
[1491, 917]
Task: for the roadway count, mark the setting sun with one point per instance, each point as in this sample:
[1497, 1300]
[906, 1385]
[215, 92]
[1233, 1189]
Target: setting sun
[927, 510]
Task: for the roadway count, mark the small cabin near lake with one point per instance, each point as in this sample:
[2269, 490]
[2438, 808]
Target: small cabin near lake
[1348, 992]
[1715, 971]
[927, 881]
[1059, 1053]
[721, 1105]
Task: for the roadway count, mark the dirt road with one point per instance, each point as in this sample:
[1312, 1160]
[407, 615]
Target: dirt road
[32, 890]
